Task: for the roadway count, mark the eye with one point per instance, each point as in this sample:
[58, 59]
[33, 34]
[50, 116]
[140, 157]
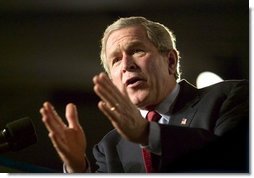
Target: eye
[115, 60]
[137, 51]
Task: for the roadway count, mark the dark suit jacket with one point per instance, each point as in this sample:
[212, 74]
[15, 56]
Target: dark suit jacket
[208, 132]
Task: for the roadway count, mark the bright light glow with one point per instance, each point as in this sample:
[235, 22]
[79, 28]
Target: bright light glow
[205, 79]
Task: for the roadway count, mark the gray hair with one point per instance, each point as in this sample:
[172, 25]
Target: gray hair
[161, 37]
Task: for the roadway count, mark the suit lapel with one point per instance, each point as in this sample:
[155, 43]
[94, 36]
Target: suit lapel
[130, 156]
[183, 110]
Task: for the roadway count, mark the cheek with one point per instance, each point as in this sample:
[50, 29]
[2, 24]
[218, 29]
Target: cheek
[114, 74]
[158, 75]
[116, 79]
[155, 62]
[156, 69]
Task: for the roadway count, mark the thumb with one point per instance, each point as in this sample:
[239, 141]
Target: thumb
[71, 115]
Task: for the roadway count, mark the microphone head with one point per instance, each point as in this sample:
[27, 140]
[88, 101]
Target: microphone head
[20, 134]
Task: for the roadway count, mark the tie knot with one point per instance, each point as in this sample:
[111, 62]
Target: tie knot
[153, 116]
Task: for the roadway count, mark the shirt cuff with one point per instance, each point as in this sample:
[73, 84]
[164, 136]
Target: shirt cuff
[88, 165]
[154, 142]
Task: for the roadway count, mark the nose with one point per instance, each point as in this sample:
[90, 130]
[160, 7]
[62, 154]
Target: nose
[128, 63]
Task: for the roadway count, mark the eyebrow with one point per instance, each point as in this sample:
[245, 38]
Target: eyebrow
[128, 46]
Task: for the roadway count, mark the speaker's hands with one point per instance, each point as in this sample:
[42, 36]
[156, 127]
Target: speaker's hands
[119, 109]
[69, 141]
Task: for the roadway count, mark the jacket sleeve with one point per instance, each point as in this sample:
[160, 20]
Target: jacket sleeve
[106, 154]
[100, 159]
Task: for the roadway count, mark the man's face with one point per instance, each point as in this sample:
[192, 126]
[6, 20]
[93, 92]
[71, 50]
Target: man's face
[136, 66]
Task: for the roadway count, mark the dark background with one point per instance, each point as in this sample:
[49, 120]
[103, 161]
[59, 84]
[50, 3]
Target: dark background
[49, 51]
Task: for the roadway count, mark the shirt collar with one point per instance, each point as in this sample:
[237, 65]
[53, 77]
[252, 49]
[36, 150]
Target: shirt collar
[164, 107]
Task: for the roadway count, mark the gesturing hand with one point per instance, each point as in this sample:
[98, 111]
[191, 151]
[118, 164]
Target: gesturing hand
[69, 141]
[118, 108]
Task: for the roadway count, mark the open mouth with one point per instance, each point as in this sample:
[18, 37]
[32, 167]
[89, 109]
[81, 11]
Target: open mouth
[134, 81]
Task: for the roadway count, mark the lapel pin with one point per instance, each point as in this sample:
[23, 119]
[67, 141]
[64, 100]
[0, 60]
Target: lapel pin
[184, 121]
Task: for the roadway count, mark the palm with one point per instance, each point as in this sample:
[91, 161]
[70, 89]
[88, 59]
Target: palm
[69, 141]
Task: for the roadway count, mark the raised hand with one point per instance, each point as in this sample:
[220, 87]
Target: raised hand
[123, 115]
[69, 141]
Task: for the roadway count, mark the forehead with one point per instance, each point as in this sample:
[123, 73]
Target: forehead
[126, 35]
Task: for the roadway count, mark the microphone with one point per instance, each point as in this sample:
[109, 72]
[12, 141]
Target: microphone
[17, 135]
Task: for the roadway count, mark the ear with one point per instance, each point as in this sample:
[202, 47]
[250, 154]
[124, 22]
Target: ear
[172, 61]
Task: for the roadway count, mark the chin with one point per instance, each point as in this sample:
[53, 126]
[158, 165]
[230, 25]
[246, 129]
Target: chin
[139, 102]
[139, 97]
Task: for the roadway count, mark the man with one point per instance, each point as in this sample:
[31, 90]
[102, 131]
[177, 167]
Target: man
[194, 126]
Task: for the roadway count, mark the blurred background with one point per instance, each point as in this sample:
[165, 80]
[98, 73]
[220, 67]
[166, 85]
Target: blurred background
[49, 51]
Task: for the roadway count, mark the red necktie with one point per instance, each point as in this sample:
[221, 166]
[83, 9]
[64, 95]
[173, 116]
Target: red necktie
[147, 156]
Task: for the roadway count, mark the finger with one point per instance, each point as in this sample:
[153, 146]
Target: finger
[56, 141]
[101, 84]
[106, 90]
[109, 84]
[111, 115]
[51, 120]
[105, 96]
[120, 92]
[59, 145]
[52, 123]
[53, 130]
[115, 119]
[56, 119]
[72, 116]
[106, 84]
[45, 120]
